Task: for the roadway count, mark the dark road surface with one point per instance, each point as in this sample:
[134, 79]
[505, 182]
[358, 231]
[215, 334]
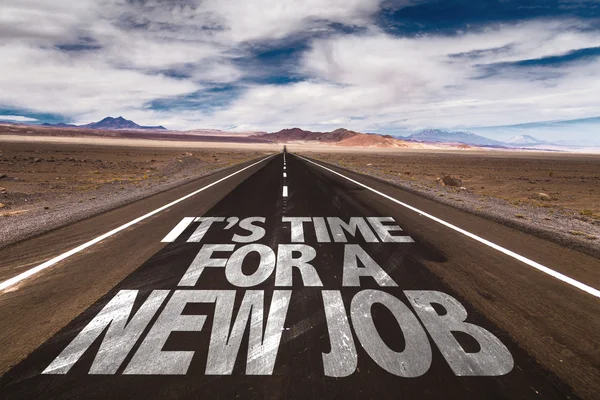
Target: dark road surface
[262, 304]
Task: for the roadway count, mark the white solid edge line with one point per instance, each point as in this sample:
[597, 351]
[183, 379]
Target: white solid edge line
[22, 276]
[531, 263]
[285, 191]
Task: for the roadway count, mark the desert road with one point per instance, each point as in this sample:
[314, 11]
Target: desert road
[286, 278]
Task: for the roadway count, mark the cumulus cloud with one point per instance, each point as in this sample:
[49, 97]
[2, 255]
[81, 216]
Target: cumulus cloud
[413, 83]
[88, 59]
[55, 82]
[265, 19]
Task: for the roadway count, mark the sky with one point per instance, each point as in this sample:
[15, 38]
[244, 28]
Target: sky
[496, 67]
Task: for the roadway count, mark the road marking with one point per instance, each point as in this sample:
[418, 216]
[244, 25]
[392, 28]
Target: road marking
[531, 263]
[285, 175]
[285, 191]
[16, 279]
[178, 230]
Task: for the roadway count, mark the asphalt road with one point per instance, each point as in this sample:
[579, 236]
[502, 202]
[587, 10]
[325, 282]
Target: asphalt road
[297, 283]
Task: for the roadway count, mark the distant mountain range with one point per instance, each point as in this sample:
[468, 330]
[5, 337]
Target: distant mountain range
[346, 137]
[292, 134]
[339, 137]
[440, 136]
[109, 123]
[343, 136]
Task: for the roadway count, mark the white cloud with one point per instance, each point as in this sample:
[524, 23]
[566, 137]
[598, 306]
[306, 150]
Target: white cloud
[45, 21]
[413, 83]
[265, 19]
[367, 81]
[54, 82]
[16, 118]
[132, 42]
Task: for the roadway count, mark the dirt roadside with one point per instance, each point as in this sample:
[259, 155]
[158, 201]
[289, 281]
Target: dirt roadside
[47, 185]
[555, 196]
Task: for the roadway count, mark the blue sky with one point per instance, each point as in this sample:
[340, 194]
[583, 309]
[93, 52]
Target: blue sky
[496, 67]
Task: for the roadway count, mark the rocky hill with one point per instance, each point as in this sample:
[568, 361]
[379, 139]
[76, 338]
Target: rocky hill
[109, 123]
[338, 137]
[372, 140]
[292, 134]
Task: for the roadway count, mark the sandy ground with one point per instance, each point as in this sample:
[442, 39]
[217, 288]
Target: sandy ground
[555, 195]
[44, 185]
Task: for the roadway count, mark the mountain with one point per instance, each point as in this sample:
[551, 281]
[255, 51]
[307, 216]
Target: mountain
[285, 135]
[439, 136]
[371, 140]
[60, 125]
[293, 134]
[108, 123]
[118, 123]
[338, 137]
[525, 140]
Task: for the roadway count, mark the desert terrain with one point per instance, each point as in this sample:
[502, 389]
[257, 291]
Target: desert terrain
[553, 194]
[47, 183]
[556, 195]
[248, 200]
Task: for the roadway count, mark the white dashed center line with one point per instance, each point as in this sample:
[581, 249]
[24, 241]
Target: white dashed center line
[285, 191]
